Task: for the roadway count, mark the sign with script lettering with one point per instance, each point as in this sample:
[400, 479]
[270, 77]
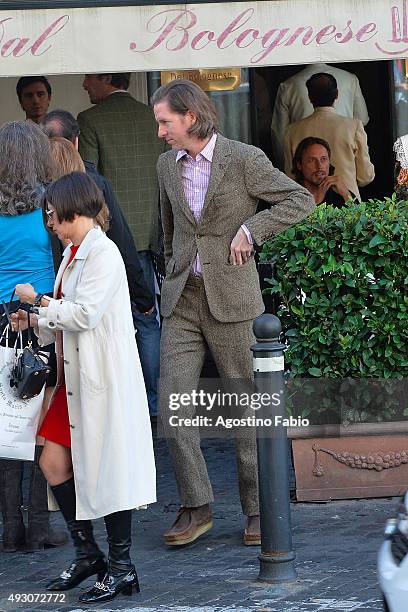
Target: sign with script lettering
[194, 36]
[213, 79]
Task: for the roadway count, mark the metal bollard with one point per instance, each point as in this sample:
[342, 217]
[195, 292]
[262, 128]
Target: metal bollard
[277, 554]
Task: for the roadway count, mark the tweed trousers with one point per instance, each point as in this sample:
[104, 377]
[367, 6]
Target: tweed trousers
[185, 337]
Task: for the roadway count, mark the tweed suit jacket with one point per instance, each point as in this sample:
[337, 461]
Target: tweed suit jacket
[119, 135]
[240, 175]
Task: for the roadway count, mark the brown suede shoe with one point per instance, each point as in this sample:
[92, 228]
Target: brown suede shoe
[190, 523]
[252, 532]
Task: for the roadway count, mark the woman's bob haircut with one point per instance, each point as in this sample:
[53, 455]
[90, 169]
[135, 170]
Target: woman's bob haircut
[73, 194]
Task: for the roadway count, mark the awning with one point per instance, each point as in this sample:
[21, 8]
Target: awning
[207, 35]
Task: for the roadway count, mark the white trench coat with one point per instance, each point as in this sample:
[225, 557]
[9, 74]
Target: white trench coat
[111, 438]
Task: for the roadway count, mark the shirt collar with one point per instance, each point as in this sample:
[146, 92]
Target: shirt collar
[117, 91]
[325, 109]
[207, 152]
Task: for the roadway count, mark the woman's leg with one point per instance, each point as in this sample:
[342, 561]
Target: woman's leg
[56, 463]
[89, 560]
[48, 391]
[39, 533]
[121, 576]
[11, 500]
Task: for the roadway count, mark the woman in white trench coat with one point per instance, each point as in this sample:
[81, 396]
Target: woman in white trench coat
[98, 455]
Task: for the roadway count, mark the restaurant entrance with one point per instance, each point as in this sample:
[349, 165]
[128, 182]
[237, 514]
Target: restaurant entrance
[376, 81]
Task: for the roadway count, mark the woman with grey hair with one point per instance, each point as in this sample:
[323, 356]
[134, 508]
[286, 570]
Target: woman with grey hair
[25, 252]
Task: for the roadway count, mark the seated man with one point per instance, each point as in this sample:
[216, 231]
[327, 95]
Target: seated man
[346, 135]
[312, 169]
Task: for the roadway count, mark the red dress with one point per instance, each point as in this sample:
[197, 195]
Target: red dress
[55, 426]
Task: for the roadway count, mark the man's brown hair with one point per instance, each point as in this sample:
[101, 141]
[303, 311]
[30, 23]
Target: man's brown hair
[183, 96]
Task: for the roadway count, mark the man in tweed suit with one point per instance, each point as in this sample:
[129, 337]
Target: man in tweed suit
[209, 189]
[118, 135]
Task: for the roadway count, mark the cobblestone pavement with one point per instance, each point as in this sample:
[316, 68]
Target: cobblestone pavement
[336, 545]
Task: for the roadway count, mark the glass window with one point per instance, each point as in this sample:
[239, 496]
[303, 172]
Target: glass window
[233, 107]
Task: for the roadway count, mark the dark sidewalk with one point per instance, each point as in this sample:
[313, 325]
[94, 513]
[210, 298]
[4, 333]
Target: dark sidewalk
[336, 545]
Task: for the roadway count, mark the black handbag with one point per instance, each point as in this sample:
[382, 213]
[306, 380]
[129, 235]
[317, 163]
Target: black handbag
[31, 370]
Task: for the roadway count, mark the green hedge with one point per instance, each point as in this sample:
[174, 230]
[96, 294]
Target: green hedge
[342, 276]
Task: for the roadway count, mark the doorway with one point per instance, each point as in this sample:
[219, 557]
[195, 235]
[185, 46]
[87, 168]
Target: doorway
[376, 85]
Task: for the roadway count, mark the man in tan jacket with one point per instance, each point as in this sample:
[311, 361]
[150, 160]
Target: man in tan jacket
[345, 135]
[209, 190]
[292, 101]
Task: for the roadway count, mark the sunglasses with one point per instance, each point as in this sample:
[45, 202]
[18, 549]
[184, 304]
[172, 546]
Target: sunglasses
[49, 214]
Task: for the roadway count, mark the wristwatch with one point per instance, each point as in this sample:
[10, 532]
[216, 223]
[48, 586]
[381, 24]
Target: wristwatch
[37, 299]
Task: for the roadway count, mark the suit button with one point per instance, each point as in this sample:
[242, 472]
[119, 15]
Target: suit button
[69, 393]
[72, 426]
[199, 236]
[66, 361]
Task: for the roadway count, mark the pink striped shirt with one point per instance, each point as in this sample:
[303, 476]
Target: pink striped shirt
[195, 176]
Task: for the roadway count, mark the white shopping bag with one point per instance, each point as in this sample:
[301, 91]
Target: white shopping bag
[18, 418]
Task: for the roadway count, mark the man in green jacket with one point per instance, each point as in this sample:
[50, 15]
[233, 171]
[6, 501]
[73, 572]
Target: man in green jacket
[119, 135]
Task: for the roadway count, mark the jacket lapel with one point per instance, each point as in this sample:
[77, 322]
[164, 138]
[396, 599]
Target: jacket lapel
[219, 165]
[94, 234]
[82, 253]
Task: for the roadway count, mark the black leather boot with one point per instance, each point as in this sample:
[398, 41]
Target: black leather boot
[121, 576]
[11, 501]
[89, 559]
[39, 532]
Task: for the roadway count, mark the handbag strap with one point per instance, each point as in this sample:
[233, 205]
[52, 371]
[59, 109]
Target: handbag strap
[7, 311]
[8, 327]
[8, 308]
[30, 340]
[4, 331]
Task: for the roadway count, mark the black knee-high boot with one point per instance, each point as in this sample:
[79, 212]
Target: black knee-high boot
[11, 500]
[89, 559]
[121, 576]
[39, 532]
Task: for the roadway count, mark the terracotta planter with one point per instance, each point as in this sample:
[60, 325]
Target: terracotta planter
[363, 460]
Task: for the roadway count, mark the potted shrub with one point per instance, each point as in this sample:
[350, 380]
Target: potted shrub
[342, 281]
